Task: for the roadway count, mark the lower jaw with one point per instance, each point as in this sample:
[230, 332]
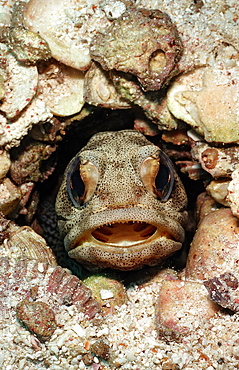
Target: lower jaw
[148, 253]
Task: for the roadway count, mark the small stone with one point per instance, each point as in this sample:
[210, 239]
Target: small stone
[100, 348]
[218, 190]
[9, 196]
[205, 204]
[38, 318]
[223, 290]
[88, 359]
[169, 365]
[5, 164]
[108, 292]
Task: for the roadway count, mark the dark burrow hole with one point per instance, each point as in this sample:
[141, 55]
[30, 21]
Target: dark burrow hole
[74, 139]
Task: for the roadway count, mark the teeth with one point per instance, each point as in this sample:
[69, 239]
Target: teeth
[105, 230]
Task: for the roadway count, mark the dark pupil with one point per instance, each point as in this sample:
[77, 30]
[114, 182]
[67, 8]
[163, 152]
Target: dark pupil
[164, 180]
[75, 185]
[162, 177]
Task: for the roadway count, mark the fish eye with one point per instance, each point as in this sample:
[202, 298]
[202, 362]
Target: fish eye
[157, 175]
[82, 179]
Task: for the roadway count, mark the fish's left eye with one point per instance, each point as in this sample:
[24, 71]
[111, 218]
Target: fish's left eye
[157, 175]
[82, 180]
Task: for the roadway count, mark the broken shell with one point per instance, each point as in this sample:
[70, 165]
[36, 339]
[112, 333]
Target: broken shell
[68, 33]
[99, 90]
[61, 88]
[61, 293]
[191, 168]
[20, 83]
[207, 99]
[5, 15]
[114, 10]
[122, 47]
[176, 137]
[38, 317]
[145, 126]
[23, 279]
[10, 196]
[24, 243]
[2, 88]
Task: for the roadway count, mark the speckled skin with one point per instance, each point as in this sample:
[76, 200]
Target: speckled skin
[120, 196]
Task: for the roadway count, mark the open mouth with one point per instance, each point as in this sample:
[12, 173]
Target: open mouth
[128, 233]
[124, 245]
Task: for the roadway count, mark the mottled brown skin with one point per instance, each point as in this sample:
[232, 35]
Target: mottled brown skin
[121, 198]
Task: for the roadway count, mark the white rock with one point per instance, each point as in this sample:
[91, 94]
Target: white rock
[20, 83]
[208, 99]
[61, 88]
[79, 330]
[12, 133]
[67, 26]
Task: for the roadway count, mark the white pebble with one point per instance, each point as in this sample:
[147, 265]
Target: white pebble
[104, 331]
[105, 294]
[21, 364]
[130, 355]
[81, 366]
[40, 267]
[54, 349]
[63, 338]
[79, 330]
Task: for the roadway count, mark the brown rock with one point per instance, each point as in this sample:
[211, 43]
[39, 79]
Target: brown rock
[122, 47]
[38, 317]
[215, 246]
[182, 307]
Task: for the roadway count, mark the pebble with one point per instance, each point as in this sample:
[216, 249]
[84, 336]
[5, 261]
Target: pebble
[38, 317]
[5, 163]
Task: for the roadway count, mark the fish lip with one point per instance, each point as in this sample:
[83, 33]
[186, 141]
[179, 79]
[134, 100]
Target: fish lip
[148, 253]
[172, 229]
